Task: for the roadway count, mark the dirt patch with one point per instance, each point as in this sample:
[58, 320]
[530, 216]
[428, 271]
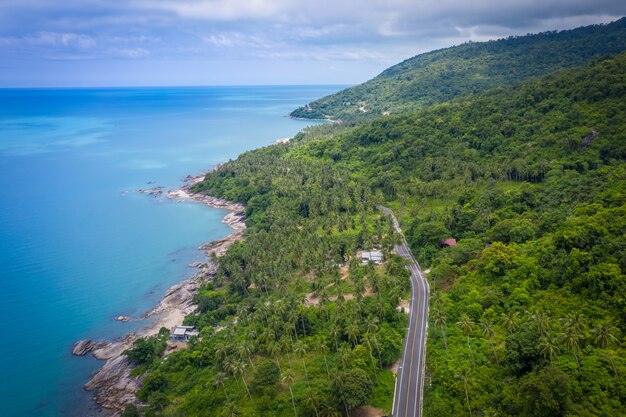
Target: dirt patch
[394, 367]
[367, 411]
[311, 300]
[405, 306]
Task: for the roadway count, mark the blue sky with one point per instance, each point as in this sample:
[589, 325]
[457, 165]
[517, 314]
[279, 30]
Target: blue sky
[238, 42]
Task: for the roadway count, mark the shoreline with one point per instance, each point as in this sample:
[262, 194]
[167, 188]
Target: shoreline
[306, 119]
[112, 383]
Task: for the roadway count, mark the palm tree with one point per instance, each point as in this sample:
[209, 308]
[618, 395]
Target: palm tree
[466, 324]
[570, 340]
[221, 352]
[299, 349]
[541, 321]
[370, 342]
[311, 401]
[604, 335]
[465, 379]
[244, 351]
[352, 330]
[231, 409]
[439, 319]
[220, 381]
[322, 347]
[238, 368]
[510, 321]
[488, 333]
[575, 321]
[548, 346]
[287, 377]
[575, 325]
[274, 350]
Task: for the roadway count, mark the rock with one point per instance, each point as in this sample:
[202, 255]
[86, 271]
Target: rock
[122, 318]
[82, 347]
[115, 387]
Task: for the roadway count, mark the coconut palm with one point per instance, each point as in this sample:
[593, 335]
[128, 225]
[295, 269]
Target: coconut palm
[352, 331]
[466, 325]
[244, 351]
[231, 409]
[464, 377]
[322, 347]
[548, 346]
[486, 327]
[311, 401]
[604, 335]
[287, 377]
[220, 381]
[541, 321]
[238, 368]
[439, 319]
[510, 320]
[299, 348]
[571, 338]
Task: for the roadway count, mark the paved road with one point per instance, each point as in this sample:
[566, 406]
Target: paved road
[409, 391]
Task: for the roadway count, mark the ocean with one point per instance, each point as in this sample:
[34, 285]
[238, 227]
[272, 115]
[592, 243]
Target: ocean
[78, 244]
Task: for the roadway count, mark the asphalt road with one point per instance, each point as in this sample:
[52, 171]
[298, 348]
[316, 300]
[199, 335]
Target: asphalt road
[409, 390]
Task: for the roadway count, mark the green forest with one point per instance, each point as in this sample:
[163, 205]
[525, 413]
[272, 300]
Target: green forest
[441, 75]
[528, 311]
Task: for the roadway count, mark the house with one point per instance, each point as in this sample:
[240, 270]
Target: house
[183, 333]
[448, 243]
[371, 256]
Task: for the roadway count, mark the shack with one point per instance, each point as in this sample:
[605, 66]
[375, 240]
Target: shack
[371, 256]
[183, 333]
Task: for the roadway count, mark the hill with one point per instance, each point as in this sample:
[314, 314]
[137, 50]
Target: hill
[441, 75]
[528, 309]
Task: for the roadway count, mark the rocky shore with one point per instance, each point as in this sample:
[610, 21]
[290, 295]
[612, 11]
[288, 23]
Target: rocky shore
[113, 384]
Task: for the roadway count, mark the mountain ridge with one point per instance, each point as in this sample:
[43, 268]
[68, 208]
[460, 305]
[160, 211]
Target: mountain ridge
[443, 74]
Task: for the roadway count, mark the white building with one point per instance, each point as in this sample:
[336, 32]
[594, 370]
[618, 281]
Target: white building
[183, 333]
[371, 256]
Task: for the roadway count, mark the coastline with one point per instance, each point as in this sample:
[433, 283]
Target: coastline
[112, 383]
[325, 119]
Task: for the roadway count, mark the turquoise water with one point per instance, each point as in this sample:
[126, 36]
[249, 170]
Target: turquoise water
[77, 245]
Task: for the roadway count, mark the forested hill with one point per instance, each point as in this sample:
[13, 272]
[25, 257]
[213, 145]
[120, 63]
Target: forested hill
[440, 75]
[528, 314]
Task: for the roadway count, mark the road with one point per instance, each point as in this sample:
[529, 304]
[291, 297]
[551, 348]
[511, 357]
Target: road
[409, 390]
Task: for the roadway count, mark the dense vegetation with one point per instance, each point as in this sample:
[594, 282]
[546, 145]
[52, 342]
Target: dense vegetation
[293, 323]
[438, 76]
[528, 312]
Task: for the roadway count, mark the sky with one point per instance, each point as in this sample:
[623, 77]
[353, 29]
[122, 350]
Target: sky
[82, 43]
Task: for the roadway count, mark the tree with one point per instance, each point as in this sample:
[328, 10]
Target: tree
[486, 327]
[145, 350]
[510, 320]
[353, 387]
[465, 378]
[299, 349]
[439, 320]
[265, 377]
[467, 326]
[130, 411]
[287, 377]
[238, 368]
[604, 335]
[548, 346]
[546, 393]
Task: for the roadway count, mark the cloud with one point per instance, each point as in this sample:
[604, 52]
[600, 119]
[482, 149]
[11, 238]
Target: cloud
[381, 32]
